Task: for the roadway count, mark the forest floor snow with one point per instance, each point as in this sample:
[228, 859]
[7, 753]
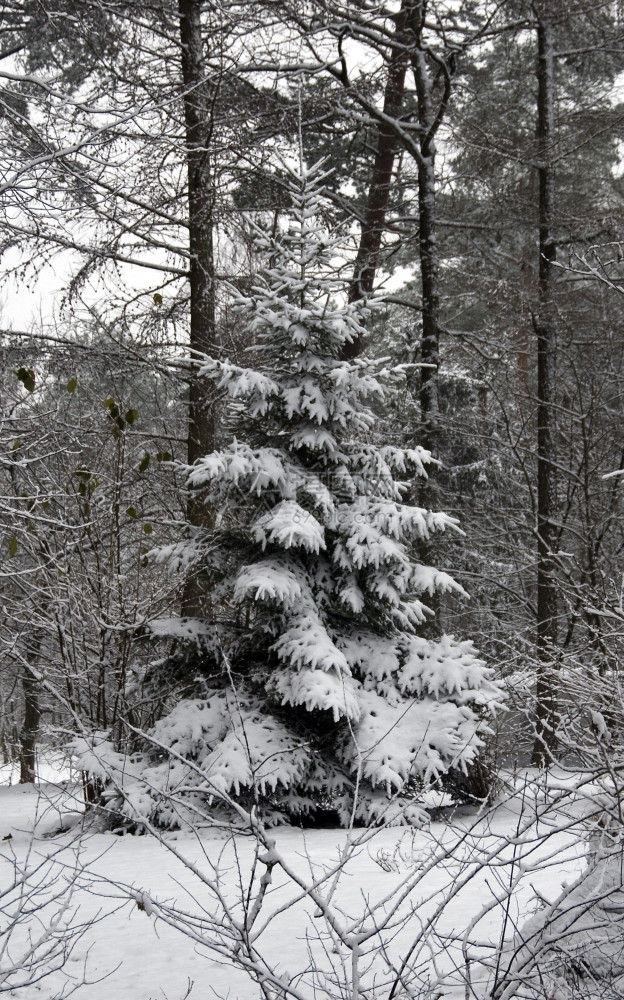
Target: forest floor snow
[124, 889]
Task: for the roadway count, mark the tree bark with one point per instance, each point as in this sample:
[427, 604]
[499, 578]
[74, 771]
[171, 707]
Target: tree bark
[202, 334]
[545, 326]
[430, 115]
[30, 729]
[429, 268]
[367, 259]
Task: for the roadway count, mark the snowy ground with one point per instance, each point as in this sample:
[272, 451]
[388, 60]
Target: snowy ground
[124, 890]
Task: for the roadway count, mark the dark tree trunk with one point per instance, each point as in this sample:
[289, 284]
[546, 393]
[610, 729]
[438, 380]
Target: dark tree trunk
[367, 259]
[433, 91]
[429, 268]
[30, 728]
[545, 325]
[202, 335]
[431, 111]
[430, 115]
[430, 342]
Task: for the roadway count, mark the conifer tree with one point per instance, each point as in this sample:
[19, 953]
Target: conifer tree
[315, 691]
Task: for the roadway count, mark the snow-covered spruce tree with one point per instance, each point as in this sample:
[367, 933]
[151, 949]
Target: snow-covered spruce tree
[314, 690]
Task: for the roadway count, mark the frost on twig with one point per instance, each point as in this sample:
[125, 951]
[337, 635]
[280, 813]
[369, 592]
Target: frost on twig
[41, 924]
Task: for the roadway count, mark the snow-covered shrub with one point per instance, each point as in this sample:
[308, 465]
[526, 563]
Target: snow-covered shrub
[316, 691]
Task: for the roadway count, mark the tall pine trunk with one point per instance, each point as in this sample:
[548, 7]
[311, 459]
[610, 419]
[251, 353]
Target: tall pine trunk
[430, 115]
[373, 224]
[432, 106]
[430, 270]
[545, 327]
[202, 333]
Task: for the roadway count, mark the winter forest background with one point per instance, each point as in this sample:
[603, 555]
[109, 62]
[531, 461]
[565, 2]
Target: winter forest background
[311, 457]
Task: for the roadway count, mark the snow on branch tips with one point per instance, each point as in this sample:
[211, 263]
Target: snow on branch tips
[320, 693]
